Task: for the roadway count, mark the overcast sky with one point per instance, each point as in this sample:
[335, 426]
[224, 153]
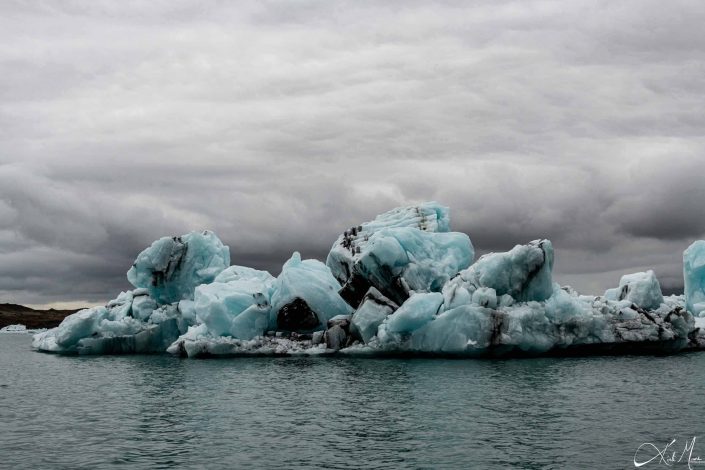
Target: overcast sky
[279, 124]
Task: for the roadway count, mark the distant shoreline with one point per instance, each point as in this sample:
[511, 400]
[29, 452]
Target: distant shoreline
[13, 314]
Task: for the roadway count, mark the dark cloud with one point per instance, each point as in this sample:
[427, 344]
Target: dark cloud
[280, 124]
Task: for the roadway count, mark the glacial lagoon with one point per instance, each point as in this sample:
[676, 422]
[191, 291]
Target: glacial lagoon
[159, 411]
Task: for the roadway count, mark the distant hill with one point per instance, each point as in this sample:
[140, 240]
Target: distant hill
[12, 314]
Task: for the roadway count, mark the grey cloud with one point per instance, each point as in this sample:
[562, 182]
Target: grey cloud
[280, 124]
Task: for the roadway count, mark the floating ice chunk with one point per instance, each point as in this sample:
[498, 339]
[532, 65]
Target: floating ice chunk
[305, 296]
[524, 272]
[694, 276]
[335, 337]
[236, 304]
[372, 311]
[642, 289]
[18, 328]
[171, 268]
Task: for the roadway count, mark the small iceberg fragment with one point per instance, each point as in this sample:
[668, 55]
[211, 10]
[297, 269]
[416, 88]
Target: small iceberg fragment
[694, 276]
[11, 329]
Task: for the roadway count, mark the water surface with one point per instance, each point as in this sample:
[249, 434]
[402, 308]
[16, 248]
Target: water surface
[161, 411]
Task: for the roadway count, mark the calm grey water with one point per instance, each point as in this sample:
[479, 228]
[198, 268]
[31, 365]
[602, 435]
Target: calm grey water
[160, 411]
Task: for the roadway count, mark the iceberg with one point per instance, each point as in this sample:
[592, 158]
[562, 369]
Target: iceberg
[402, 284]
[12, 329]
[694, 277]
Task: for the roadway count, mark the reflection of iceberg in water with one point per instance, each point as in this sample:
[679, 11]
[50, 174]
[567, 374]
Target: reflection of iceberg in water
[400, 284]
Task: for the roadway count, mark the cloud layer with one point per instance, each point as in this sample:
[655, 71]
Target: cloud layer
[278, 124]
